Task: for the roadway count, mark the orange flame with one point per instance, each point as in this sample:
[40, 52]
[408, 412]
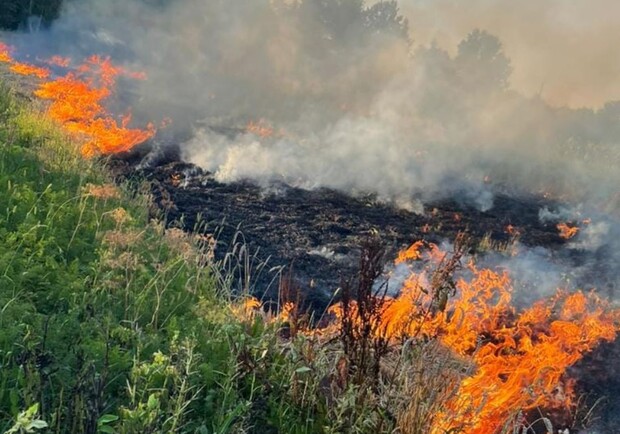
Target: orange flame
[5, 53]
[260, 129]
[77, 102]
[567, 232]
[520, 358]
[25, 69]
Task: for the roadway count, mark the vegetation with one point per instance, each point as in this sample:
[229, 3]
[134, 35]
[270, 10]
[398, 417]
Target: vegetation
[110, 322]
[15, 13]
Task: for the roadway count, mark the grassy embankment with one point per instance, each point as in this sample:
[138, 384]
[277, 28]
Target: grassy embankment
[109, 322]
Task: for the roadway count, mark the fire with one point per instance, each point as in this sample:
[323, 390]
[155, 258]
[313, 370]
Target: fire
[77, 102]
[512, 230]
[63, 62]
[260, 129]
[567, 232]
[519, 357]
[5, 54]
[25, 69]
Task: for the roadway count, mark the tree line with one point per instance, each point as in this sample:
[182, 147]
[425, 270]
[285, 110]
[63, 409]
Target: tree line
[16, 14]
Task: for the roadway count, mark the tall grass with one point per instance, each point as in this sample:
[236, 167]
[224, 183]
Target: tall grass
[111, 322]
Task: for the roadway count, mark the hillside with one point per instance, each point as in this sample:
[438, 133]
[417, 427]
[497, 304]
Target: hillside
[293, 218]
[110, 322]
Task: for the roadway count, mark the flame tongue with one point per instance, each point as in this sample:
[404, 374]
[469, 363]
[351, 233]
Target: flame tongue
[567, 232]
[77, 102]
[518, 358]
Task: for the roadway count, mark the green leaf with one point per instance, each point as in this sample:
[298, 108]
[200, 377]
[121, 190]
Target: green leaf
[153, 402]
[32, 410]
[302, 370]
[107, 418]
[38, 424]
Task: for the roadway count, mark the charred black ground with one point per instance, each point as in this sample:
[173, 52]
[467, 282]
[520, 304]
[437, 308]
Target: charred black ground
[313, 238]
[316, 234]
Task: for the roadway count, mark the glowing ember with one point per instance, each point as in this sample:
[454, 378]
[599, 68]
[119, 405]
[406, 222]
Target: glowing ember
[512, 230]
[567, 232]
[77, 103]
[260, 129]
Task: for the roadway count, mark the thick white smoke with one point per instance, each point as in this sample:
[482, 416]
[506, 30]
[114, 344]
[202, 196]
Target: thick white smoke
[363, 102]
[362, 108]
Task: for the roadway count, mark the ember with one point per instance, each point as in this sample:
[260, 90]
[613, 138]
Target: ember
[260, 129]
[567, 232]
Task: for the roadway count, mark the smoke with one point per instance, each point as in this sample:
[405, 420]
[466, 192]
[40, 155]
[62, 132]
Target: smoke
[355, 104]
[363, 101]
[564, 50]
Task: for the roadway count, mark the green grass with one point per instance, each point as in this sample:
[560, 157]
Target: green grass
[108, 322]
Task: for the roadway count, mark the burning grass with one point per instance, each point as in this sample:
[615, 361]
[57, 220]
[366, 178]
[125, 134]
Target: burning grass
[134, 321]
[77, 102]
[497, 362]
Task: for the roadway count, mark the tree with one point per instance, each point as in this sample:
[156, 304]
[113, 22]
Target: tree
[481, 62]
[15, 13]
[384, 17]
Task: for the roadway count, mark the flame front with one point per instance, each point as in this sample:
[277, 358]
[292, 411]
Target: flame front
[77, 102]
[519, 358]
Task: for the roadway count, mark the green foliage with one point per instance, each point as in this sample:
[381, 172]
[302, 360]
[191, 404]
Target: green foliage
[112, 323]
[27, 422]
[98, 319]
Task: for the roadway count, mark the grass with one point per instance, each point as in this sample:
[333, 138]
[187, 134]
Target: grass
[112, 323]
[108, 321]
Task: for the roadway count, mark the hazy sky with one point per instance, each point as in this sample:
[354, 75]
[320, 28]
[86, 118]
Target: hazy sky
[570, 48]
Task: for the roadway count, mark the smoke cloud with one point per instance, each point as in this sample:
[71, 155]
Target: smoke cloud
[355, 104]
[564, 50]
[363, 100]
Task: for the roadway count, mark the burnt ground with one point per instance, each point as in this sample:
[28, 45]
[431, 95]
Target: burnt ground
[315, 235]
[314, 238]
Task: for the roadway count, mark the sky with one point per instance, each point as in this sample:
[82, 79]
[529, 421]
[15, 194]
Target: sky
[567, 50]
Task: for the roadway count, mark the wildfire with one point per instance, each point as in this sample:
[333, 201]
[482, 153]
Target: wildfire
[567, 232]
[260, 129]
[519, 357]
[77, 102]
